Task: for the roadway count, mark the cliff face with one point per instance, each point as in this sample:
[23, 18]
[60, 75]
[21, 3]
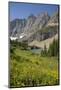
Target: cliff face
[16, 26]
[38, 27]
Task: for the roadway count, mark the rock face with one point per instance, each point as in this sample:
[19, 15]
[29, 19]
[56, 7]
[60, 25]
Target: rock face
[30, 21]
[16, 26]
[38, 27]
[54, 20]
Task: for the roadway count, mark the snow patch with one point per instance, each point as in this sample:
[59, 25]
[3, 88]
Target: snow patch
[13, 38]
[21, 36]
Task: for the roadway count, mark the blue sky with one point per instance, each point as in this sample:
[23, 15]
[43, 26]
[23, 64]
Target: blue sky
[23, 10]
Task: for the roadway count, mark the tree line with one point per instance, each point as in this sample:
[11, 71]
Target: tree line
[53, 49]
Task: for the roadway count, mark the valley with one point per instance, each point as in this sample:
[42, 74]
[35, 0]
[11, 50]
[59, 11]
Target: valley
[34, 51]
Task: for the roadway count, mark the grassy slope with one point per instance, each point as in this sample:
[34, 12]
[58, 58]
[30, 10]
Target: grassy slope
[28, 69]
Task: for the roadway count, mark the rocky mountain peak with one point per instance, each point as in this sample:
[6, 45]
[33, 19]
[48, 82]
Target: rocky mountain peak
[31, 16]
[26, 28]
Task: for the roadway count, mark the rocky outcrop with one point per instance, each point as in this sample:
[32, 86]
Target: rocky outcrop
[16, 27]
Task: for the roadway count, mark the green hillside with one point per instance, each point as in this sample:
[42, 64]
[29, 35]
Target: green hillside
[29, 69]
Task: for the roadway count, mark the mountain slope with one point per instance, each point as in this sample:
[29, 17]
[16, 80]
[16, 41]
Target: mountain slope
[16, 26]
[46, 42]
[32, 24]
[34, 28]
[53, 20]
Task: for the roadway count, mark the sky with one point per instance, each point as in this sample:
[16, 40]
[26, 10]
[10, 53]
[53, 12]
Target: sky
[23, 10]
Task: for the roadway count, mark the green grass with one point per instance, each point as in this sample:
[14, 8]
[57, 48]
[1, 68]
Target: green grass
[29, 69]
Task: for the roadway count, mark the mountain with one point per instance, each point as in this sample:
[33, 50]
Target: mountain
[38, 27]
[46, 42]
[30, 21]
[53, 20]
[47, 34]
[49, 30]
[16, 26]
